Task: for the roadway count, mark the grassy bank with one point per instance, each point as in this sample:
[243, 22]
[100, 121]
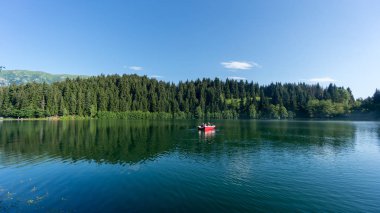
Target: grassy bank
[140, 115]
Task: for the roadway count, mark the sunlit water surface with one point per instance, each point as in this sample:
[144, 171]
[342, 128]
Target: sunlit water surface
[145, 166]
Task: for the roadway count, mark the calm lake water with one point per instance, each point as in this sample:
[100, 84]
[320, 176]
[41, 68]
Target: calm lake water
[140, 166]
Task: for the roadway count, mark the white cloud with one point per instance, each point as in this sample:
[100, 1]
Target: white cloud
[155, 76]
[136, 68]
[239, 65]
[237, 78]
[321, 80]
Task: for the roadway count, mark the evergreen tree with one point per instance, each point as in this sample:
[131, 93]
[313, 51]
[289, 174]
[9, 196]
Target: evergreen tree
[203, 97]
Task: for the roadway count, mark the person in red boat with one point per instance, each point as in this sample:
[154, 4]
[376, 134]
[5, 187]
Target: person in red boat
[206, 126]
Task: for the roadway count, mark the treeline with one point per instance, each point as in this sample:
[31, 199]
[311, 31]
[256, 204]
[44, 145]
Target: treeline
[139, 97]
[370, 104]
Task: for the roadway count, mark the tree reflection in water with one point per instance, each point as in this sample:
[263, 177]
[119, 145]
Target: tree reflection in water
[122, 141]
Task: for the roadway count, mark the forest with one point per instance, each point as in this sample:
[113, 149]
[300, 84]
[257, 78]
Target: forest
[140, 97]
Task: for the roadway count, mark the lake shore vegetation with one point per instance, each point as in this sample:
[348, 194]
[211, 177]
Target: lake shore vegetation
[140, 97]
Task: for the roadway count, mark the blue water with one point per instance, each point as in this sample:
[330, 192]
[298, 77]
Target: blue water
[140, 166]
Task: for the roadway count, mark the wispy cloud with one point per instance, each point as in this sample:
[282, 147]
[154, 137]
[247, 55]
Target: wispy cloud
[239, 65]
[136, 68]
[321, 80]
[236, 78]
[156, 76]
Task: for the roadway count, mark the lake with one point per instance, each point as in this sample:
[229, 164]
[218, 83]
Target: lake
[166, 166]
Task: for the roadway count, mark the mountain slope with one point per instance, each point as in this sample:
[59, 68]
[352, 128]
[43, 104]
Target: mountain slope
[8, 77]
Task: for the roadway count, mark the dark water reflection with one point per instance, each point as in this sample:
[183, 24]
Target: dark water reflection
[113, 141]
[99, 141]
[118, 165]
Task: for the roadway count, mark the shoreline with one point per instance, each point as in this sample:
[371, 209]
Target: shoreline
[65, 118]
[56, 118]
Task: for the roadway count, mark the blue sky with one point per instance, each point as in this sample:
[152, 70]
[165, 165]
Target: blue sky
[172, 40]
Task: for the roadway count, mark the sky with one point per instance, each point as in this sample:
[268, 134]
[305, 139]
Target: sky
[324, 41]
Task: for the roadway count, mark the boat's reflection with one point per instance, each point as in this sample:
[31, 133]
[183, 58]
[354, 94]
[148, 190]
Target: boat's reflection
[206, 135]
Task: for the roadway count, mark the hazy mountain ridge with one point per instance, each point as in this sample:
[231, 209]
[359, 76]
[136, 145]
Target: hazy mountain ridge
[8, 77]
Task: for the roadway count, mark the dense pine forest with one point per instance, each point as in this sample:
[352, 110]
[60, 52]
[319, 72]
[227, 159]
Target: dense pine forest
[136, 97]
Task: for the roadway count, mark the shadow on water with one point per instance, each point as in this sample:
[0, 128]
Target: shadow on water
[111, 141]
[288, 134]
[120, 141]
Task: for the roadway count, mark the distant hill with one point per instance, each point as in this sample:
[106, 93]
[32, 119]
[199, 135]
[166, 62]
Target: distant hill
[8, 77]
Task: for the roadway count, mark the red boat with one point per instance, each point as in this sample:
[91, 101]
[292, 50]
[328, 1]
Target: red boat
[206, 127]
